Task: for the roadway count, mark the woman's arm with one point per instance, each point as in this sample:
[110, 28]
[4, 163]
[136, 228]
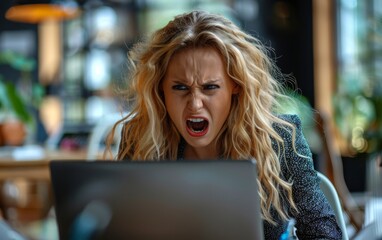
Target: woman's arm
[315, 219]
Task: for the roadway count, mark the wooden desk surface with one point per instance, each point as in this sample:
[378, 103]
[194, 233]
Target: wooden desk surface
[35, 169]
[34, 199]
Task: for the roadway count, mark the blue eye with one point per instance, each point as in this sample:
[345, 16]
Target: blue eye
[211, 87]
[179, 87]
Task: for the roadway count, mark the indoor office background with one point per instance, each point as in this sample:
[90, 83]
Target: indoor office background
[66, 73]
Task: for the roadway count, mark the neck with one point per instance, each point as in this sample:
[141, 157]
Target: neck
[205, 153]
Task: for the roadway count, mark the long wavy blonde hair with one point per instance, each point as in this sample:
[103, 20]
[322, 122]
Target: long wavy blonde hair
[247, 133]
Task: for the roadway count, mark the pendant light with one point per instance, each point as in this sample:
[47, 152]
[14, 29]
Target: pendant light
[36, 11]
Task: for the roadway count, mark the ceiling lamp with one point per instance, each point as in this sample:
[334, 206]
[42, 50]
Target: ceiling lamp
[35, 11]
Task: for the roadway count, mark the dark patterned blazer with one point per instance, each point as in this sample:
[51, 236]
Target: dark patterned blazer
[315, 218]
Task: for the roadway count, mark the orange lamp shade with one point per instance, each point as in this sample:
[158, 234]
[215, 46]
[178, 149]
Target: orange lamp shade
[35, 13]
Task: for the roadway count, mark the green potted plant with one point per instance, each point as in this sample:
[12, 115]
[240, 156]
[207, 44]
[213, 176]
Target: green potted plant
[14, 114]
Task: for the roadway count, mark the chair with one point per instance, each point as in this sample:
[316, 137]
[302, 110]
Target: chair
[333, 169]
[100, 132]
[334, 201]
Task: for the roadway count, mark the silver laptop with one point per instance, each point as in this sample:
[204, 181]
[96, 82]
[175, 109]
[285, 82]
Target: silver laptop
[157, 200]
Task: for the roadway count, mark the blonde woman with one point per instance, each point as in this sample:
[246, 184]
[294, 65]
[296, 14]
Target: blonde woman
[201, 88]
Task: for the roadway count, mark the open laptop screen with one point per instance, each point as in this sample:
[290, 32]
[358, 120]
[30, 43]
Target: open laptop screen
[156, 200]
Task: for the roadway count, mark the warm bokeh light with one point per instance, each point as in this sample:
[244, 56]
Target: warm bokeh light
[51, 114]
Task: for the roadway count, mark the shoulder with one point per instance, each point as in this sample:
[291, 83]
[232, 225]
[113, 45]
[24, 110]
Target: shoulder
[294, 145]
[290, 118]
[289, 124]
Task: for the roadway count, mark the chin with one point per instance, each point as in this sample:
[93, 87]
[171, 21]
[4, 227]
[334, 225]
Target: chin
[197, 142]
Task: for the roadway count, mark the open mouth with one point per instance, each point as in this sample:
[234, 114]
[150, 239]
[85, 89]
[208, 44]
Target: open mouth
[197, 126]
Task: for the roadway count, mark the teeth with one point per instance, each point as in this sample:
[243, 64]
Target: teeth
[195, 119]
[196, 131]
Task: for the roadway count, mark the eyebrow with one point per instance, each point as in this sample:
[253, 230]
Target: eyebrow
[209, 81]
[217, 80]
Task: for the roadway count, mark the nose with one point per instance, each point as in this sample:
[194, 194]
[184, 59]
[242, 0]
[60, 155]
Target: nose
[195, 102]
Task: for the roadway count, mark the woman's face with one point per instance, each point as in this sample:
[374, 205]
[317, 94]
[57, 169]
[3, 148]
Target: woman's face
[197, 93]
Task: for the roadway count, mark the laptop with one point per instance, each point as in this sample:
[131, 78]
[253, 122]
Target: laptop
[157, 200]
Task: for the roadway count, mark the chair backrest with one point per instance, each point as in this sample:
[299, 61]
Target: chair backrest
[332, 196]
[333, 170]
[100, 132]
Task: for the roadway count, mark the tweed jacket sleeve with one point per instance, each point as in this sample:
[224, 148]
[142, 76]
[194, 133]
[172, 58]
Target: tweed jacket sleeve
[315, 218]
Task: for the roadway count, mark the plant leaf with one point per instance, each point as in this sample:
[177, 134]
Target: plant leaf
[12, 102]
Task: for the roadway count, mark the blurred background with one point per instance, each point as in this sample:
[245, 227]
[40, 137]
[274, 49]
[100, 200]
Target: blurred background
[59, 68]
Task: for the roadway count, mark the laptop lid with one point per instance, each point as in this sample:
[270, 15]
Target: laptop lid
[156, 200]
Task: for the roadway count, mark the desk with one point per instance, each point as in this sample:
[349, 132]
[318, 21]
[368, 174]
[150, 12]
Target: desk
[28, 184]
[373, 218]
[370, 232]
[373, 207]
[35, 169]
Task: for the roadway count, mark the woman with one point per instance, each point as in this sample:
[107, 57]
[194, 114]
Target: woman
[203, 89]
